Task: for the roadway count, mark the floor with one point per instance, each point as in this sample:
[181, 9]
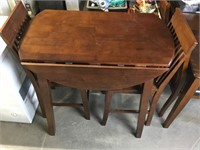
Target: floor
[73, 131]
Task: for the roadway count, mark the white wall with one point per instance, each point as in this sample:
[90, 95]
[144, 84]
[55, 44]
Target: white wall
[72, 4]
[4, 8]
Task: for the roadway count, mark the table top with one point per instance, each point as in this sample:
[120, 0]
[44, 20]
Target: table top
[97, 37]
[193, 21]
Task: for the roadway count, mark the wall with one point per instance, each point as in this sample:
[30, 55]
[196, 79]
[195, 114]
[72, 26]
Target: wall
[4, 8]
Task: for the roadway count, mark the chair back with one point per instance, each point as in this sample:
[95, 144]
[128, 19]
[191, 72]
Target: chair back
[165, 10]
[13, 29]
[184, 41]
[183, 31]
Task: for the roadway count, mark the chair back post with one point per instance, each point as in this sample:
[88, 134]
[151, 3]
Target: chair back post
[165, 10]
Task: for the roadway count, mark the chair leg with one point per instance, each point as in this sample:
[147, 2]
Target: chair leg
[37, 91]
[180, 81]
[153, 105]
[48, 107]
[108, 99]
[156, 97]
[85, 96]
[182, 100]
[170, 100]
[33, 81]
[143, 107]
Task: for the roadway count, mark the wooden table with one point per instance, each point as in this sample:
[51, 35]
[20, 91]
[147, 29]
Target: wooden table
[96, 51]
[193, 78]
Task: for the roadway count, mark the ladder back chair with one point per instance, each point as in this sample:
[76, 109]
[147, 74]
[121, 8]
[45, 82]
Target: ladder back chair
[193, 74]
[194, 24]
[192, 84]
[12, 32]
[185, 42]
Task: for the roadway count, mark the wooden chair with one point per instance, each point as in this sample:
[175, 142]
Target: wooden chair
[193, 21]
[192, 82]
[12, 33]
[184, 44]
[165, 10]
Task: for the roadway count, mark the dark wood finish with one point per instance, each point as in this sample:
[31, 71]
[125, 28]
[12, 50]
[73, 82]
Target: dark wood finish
[108, 99]
[193, 21]
[143, 107]
[95, 77]
[98, 51]
[97, 36]
[48, 107]
[66, 104]
[165, 10]
[124, 111]
[85, 76]
[183, 99]
[84, 96]
[13, 31]
[185, 43]
[37, 90]
[193, 81]
[131, 90]
[15, 26]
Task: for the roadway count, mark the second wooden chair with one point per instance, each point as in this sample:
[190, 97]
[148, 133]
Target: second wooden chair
[185, 42]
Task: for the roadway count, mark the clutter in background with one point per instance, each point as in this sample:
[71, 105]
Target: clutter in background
[145, 6]
[105, 4]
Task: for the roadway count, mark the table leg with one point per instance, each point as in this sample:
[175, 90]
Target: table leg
[47, 101]
[143, 107]
[183, 99]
